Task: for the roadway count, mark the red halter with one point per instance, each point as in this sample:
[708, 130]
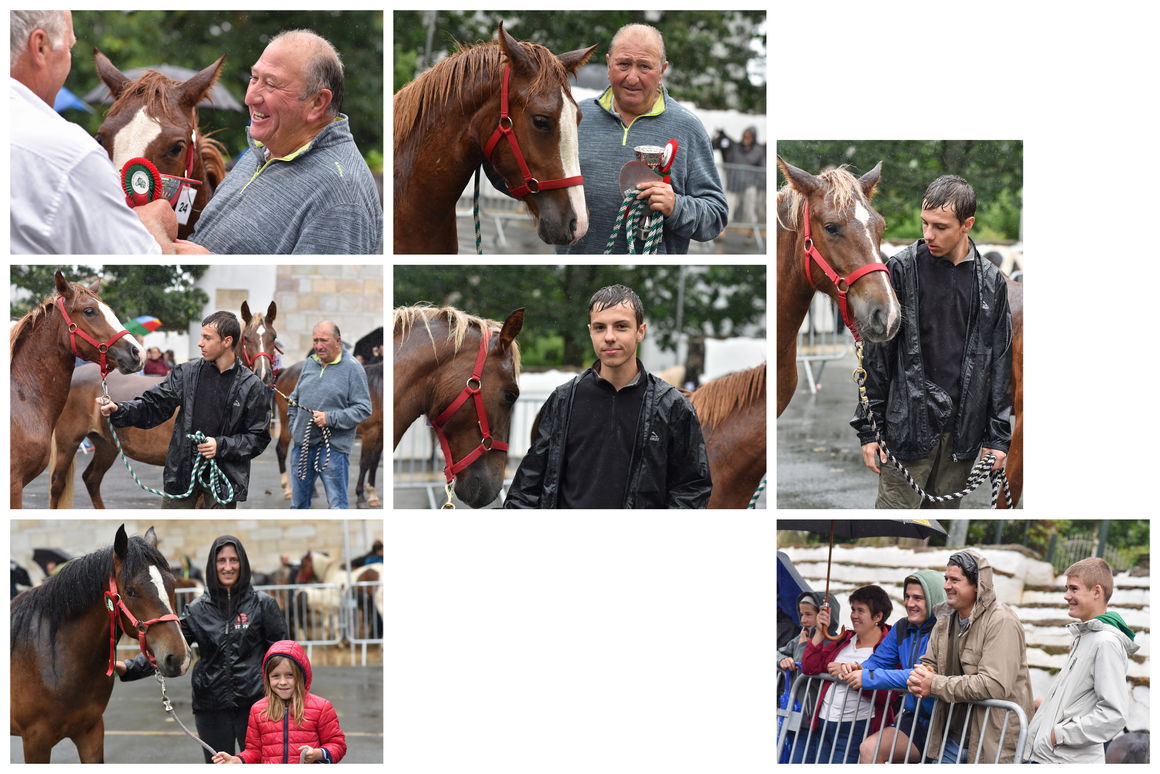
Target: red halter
[249, 361]
[74, 331]
[476, 393]
[114, 604]
[843, 284]
[530, 185]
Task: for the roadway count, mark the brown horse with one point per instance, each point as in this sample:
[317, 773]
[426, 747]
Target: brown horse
[1014, 469]
[61, 642]
[72, 322]
[444, 120]
[731, 410]
[435, 354]
[155, 117]
[257, 344]
[848, 233]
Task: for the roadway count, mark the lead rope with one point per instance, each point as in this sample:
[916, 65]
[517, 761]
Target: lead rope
[168, 705]
[980, 471]
[303, 468]
[757, 495]
[634, 210]
[475, 215]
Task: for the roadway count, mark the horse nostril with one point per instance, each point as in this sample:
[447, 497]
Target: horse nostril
[572, 227]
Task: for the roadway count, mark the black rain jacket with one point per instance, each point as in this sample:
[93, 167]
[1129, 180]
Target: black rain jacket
[908, 407]
[672, 471]
[244, 433]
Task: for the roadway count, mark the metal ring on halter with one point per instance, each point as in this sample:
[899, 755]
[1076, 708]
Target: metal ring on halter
[478, 383]
[533, 185]
[809, 245]
[486, 442]
[508, 127]
[447, 490]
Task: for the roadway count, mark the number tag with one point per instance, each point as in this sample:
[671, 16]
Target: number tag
[184, 204]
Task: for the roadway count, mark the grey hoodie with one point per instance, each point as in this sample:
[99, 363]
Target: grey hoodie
[1088, 701]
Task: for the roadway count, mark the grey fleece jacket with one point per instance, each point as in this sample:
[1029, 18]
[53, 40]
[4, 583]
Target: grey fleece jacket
[606, 144]
[340, 391]
[1088, 701]
[320, 199]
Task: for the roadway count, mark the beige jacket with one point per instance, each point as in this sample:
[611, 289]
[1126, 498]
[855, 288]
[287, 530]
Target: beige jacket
[993, 657]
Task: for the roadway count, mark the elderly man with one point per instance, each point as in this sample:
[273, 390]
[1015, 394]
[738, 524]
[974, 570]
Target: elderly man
[332, 393]
[303, 187]
[637, 110]
[64, 193]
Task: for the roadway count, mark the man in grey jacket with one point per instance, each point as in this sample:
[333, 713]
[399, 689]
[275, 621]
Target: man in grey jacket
[636, 110]
[1088, 701]
[332, 392]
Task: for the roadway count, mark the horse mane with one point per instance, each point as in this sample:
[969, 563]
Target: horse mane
[155, 91]
[470, 70]
[24, 328]
[213, 160]
[844, 191]
[74, 590]
[457, 321]
[716, 400]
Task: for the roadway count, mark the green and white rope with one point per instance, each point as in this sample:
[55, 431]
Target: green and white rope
[205, 472]
[475, 214]
[632, 211]
[757, 495]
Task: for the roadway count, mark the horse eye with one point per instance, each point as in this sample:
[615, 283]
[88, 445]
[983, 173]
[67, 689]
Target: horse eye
[541, 122]
[100, 140]
[176, 149]
[832, 229]
[89, 311]
[510, 397]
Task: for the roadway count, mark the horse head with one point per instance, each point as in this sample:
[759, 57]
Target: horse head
[257, 342]
[145, 586]
[847, 231]
[95, 322]
[544, 121]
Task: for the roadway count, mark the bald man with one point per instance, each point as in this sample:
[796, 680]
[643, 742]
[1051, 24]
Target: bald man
[333, 393]
[303, 187]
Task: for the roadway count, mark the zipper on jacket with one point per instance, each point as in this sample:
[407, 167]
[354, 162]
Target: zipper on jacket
[286, 733]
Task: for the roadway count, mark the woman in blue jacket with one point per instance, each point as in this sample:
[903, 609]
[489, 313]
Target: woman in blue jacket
[890, 666]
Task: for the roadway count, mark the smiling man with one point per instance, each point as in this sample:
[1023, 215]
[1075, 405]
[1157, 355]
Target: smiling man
[303, 187]
[615, 436]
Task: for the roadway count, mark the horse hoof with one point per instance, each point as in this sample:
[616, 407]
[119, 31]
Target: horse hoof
[374, 502]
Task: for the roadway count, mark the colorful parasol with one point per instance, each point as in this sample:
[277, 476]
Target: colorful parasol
[142, 324]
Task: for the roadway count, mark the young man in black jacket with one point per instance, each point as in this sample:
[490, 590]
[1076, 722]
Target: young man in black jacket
[615, 436]
[941, 389]
[217, 396]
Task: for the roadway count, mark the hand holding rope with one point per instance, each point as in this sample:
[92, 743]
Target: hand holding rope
[633, 211]
[302, 468]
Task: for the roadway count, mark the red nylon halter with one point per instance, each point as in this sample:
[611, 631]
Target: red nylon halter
[476, 393]
[74, 331]
[843, 284]
[530, 185]
[249, 361]
[115, 604]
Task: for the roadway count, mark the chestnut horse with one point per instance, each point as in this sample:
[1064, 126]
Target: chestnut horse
[848, 233]
[72, 322]
[62, 645]
[731, 410]
[445, 127]
[436, 354]
[81, 417]
[155, 117]
[1014, 468]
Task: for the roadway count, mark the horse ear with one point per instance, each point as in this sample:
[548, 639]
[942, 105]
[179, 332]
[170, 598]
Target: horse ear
[246, 316]
[511, 328]
[574, 60]
[113, 78]
[121, 543]
[62, 285]
[869, 181]
[271, 312]
[520, 60]
[151, 537]
[196, 88]
[801, 181]
[94, 287]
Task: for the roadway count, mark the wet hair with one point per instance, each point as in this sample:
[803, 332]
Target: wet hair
[615, 295]
[953, 191]
[1092, 572]
[323, 67]
[24, 23]
[874, 598]
[276, 706]
[226, 324]
[965, 562]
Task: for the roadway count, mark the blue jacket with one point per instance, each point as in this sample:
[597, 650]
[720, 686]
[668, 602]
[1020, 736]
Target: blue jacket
[891, 664]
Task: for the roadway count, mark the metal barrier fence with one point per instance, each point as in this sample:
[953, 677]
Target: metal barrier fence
[823, 337]
[799, 742]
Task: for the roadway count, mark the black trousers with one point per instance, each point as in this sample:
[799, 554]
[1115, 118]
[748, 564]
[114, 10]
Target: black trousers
[224, 731]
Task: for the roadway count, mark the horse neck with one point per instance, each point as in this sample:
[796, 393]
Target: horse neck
[42, 367]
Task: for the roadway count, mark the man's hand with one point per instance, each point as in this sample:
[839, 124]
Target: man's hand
[1000, 458]
[120, 668]
[835, 669]
[160, 221]
[847, 669]
[920, 681]
[319, 418]
[106, 406]
[660, 196]
[872, 454]
[184, 247]
[787, 663]
[208, 449]
[854, 679]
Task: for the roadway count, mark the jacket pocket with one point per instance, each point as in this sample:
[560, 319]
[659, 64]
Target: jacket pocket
[969, 658]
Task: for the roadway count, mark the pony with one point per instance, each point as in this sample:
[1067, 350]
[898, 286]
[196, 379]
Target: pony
[43, 347]
[62, 648]
[155, 117]
[323, 604]
[446, 127]
[437, 352]
[731, 410]
[257, 344]
[848, 233]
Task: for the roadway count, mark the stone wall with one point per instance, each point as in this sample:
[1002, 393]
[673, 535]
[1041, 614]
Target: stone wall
[350, 295]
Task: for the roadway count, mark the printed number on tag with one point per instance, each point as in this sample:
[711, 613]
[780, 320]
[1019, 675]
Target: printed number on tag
[185, 205]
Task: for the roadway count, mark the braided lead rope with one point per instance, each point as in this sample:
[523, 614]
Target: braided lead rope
[979, 472]
[475, 214]
[304, 452]
[757, 495]
[634, 210]
[168, 706]
[205, 472]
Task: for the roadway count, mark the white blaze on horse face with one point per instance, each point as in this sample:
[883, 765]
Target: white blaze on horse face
[862, 215]
[112, 321]
[570, 160]
[134, 138]
[159, 584]
[260, 333]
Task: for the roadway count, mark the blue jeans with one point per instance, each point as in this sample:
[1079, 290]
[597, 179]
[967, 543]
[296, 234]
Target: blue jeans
[852, 732]
[952, 753]
[334, 478]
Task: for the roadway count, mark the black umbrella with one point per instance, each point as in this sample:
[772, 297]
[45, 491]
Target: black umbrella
[860, 528]
[42, 556]
[219, 96]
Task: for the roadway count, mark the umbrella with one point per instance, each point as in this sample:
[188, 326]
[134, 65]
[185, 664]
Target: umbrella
[42, 556]
[859, 528]
[66, 100]
[219, 97]
[142, 324]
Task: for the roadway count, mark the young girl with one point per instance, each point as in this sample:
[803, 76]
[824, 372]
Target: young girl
[290, 725]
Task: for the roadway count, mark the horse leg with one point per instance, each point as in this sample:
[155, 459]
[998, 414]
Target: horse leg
[91, 742]
[64, 465]
[37, 746]
[373, 499]
[281, 449]
[16, 495]
[104, 455]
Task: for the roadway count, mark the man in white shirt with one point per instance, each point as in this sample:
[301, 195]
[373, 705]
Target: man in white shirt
[64, 193]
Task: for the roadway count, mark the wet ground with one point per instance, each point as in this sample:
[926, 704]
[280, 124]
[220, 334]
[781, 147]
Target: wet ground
[137, 729]
[433, 497]
[819, 461]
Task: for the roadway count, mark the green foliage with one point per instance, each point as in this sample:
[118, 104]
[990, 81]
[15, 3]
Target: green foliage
[718, 301]
[710, 59]
[194, 39]
[166, 292]
[993, 167]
